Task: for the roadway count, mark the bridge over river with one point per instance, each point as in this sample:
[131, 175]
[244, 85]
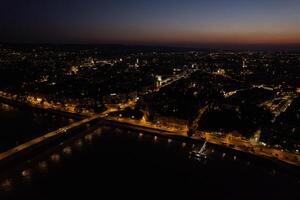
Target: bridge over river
[20, 162]
[25, 168]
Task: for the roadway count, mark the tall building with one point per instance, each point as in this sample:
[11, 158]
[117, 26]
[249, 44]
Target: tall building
[244, 63]
[158, 81]
[137, 63]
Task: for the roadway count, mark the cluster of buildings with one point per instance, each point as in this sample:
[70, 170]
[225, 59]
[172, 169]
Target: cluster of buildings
[244, 93]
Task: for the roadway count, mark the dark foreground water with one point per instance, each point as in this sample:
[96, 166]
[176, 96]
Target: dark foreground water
[18, 125]
[108, 162]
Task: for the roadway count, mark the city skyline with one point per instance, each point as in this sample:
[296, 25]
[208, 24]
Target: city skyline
[150, 97]
[174, 23]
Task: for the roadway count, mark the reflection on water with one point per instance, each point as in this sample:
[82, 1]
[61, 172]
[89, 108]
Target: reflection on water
[6, 107]
[122, 159]
[19, 125]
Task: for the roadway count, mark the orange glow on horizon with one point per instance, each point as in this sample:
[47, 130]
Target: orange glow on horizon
[194, 37]
[225, 38]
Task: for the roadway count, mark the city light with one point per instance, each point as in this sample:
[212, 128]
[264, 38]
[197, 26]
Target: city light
[113, 114]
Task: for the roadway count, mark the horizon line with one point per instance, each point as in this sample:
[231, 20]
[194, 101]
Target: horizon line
[204, 46]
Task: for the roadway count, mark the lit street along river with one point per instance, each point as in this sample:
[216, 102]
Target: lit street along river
[108, 162]
[19, 125]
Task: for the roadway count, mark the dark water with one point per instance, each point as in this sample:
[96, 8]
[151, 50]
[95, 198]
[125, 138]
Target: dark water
[118, 163]
[18, 125]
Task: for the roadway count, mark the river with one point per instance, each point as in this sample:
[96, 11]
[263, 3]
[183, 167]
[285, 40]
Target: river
[19, 124]
[109, 162]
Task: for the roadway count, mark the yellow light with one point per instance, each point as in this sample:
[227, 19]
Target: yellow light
[98, 132]
[43, 166]
[6, 185]
[298, 90]
[67, 151]
[55, 157]
[39, 100]
[88, 138]
[79, 143]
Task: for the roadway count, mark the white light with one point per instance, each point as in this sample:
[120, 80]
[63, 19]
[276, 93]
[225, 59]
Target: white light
[26, 173]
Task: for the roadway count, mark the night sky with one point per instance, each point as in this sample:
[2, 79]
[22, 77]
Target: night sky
[167, 22]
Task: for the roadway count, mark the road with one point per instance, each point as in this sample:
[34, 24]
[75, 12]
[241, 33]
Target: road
[246, 146]
[230, 142]
[49, 136]
[41, 103]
